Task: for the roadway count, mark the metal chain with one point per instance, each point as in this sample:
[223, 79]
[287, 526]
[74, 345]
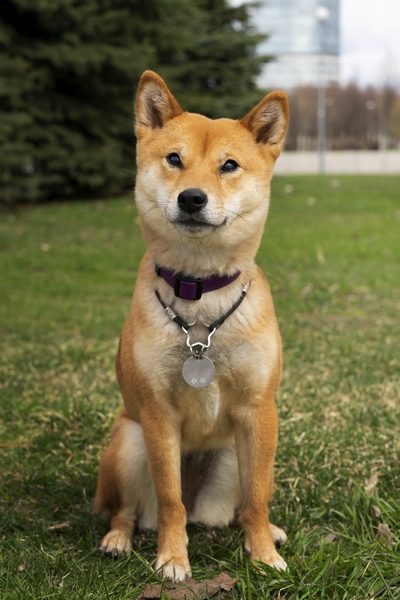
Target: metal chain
[197, 349]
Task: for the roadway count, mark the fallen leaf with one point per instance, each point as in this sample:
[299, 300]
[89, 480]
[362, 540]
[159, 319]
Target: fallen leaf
[376, 511]
[59, 526]
[190, 588]
[225, 581]
[384, 534]
[371, 484]
[152, 592]
[320, 255]
[331, 537]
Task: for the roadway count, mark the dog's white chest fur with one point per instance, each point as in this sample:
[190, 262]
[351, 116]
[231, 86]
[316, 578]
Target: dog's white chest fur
[204, 417]
[212, 402]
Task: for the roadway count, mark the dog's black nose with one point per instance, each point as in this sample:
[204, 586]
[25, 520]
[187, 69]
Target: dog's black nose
[192, 200]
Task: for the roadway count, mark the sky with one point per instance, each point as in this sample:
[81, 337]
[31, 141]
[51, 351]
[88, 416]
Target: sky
[370, 41]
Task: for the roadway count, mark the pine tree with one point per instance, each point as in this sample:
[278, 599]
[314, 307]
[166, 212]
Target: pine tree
[67, 73]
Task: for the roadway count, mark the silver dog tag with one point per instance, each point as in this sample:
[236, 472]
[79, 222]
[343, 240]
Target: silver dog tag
[198, 372]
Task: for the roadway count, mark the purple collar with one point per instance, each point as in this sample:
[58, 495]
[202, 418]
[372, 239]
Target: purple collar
[192, 288]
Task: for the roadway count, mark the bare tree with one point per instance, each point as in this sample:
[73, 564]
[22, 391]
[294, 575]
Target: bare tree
[356, 117]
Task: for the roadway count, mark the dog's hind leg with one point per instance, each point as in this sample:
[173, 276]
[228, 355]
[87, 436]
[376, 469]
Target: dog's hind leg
[218, 498]
[124, 487]
[219, 495]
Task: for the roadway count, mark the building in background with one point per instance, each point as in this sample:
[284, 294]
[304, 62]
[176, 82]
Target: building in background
[303, 38]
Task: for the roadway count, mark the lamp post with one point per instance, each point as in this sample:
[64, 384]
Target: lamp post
[322, 14]
[370, 105]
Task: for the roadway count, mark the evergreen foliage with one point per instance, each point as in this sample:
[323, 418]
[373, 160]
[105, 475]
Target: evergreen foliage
[68, 71]
[208, 56]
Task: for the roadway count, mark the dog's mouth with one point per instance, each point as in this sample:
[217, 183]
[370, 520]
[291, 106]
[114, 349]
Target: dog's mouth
[194, 225]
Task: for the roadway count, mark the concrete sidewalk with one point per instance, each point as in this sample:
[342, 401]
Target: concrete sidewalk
[341, 162]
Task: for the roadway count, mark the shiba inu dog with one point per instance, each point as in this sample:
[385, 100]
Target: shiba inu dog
[199, 360]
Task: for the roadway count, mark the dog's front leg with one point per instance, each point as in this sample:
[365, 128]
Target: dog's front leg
[256, 429]
[162, 437]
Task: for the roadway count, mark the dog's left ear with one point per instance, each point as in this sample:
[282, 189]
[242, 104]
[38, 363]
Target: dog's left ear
[155, 104]
[268, 120]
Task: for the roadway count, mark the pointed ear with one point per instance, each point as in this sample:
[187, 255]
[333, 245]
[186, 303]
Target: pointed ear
[268, 120]
[154, 102]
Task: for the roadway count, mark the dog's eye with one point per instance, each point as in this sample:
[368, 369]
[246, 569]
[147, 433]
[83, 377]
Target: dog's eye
[229, 166]
[174, 160]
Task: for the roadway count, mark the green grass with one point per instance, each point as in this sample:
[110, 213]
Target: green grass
[331, 252]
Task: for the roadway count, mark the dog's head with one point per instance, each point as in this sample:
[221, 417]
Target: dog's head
[204, 180]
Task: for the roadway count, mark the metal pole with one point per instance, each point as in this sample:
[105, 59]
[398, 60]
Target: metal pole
[322, 14]
[321, 115]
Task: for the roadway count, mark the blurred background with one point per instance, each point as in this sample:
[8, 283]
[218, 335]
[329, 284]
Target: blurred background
[68, 72]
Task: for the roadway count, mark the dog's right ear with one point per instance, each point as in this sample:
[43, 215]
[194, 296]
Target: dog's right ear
[155, 104]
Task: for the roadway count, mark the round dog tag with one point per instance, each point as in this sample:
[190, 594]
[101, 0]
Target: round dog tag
[198, 372]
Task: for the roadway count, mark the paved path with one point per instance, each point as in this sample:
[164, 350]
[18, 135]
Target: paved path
[339, 162]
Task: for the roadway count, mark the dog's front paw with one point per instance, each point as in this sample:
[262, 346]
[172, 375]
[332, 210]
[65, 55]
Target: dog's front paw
[272, 559]
[175, 568]
[116, 542]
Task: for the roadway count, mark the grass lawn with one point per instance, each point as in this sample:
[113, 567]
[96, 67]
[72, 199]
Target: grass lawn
[332, 252]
